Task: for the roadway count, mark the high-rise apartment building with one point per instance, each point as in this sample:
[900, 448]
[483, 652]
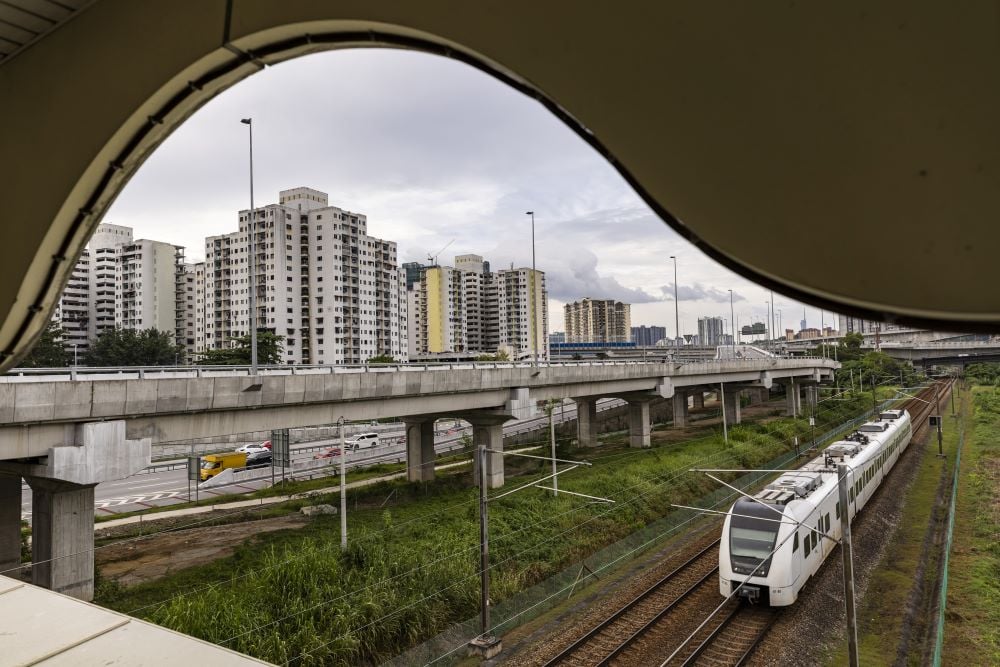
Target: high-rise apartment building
[711, 331]
[469, 309]
[598, 321]
[644, 336]
[334, 293]
[120, 282]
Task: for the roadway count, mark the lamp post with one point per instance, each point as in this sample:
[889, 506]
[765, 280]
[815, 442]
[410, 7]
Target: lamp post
[677, 311]
[251, 224]
[75, 356]
[533, 293]
[732, 321]
[770, 325]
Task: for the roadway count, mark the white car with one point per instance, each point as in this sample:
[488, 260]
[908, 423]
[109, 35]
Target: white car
[254, 448]
[362, 441]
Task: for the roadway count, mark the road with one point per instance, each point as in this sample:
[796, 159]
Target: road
[170, 487]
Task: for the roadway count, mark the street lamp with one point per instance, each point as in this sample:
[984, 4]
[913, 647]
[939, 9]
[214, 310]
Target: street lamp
[75, 356]
[534, 324]
[732, 321]
[253, 260]
[677, 316]
[770, 324]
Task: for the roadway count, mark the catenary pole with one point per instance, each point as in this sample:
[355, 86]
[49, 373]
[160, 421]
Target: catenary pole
[484, 545]
[343, 486]
[677, 310]
[534, 295]
[552, 440]
[846, 550]
[722, 397]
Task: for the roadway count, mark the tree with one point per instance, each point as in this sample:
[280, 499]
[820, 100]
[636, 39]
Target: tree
[501, 355]
[382, 359]
[48, 352]
[269, 351]
[130, 347]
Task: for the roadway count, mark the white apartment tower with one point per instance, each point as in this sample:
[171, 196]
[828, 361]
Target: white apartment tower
[119, 282]
[332, 291]
[598, 321]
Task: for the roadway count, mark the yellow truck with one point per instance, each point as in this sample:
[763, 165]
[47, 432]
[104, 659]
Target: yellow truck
[213, 464]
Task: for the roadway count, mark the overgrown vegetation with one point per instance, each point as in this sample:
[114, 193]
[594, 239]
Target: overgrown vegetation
[49, 351]
[972, 629]
[411, 571]
[269, 351]
[864, 368]
[129, 347]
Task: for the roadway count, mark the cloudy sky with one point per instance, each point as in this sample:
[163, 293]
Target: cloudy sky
[434, 152]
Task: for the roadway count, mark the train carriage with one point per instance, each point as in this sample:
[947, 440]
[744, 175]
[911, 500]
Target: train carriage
[773, 542]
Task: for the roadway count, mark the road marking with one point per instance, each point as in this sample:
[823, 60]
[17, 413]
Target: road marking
[135, 500]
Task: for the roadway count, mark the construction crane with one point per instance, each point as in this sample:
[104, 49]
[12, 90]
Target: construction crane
[433, 259]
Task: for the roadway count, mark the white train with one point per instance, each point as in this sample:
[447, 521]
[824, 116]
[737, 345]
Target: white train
[773, 543]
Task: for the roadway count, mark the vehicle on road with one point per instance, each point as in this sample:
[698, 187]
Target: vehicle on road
[255, 447]
[328, 453]
[213, 464]
[259, 460]
[362, 441]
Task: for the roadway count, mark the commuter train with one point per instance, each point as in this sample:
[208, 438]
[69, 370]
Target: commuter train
[773, 543]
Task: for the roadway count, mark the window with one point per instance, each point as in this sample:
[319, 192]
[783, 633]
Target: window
[826, 521]
[806, 546]
[795, 543]
[838, 510]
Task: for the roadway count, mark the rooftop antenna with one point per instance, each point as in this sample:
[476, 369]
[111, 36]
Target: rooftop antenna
[433, 259]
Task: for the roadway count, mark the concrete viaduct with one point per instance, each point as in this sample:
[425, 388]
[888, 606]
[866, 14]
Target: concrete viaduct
[64, 436]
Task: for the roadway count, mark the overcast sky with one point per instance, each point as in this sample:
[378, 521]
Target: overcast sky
[433, 151]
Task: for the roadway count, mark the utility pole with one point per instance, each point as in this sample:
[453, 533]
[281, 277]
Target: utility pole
[251, 224]
[484, 546]
[343, 486]
[722, 399]
[937, 409]
[846, 550]
[732, 322]
[552, 439]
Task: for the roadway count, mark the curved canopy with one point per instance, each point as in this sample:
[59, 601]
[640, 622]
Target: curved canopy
[843, 153]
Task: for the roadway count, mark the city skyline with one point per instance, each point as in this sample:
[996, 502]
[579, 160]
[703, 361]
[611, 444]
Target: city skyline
[434, 152]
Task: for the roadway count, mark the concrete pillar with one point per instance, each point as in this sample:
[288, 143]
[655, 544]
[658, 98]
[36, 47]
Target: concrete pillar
[680, 401]
[793, 399]
[586, 422]
[732, 405]
[62, 536]
[638, 422]
[10, 524]
[698, 400]
[420, 450]
[812, 398]
[764, 394]
[490, 435]
[754, 395]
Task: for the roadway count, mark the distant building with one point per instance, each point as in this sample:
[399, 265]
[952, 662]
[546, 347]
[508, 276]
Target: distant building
[557, 338]
[598, 321]
[124, 283]
[644, 336]
[469, 309]
[808, 333]
[711, 331]
[335, 294]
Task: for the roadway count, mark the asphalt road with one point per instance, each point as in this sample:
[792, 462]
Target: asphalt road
[170, 487]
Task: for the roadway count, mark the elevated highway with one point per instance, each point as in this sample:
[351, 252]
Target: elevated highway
[64, 432]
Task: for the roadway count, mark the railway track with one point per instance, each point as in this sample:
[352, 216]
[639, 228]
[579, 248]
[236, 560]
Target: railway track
[613, 639]
[680, 616]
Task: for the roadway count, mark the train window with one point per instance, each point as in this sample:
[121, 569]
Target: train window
[837, 510]
[805, 546]
[795, 543]
[826, 520]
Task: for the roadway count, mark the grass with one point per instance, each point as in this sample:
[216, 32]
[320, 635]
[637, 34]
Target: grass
[972, 623]
[411, 571]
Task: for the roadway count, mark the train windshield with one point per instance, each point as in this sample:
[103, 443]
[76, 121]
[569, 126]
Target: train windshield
[753, 530]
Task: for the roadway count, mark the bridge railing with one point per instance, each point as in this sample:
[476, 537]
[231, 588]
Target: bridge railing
[186, 372]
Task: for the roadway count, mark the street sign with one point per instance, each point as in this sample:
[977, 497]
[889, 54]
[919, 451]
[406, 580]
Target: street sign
[279, 448]
[812, 421]
[194, 468]
[934, 420]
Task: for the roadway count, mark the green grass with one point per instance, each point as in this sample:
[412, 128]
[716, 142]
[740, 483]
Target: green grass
[411, 571]
[972, 623]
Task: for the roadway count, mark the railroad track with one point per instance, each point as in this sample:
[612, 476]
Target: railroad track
[680, 616]
[607, 642]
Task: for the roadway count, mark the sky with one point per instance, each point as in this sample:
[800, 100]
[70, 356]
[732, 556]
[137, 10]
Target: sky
[435, 153]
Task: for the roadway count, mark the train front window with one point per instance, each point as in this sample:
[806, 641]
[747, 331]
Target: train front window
[752, 538]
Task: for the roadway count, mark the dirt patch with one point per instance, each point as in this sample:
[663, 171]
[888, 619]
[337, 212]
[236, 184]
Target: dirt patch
[150, 558]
